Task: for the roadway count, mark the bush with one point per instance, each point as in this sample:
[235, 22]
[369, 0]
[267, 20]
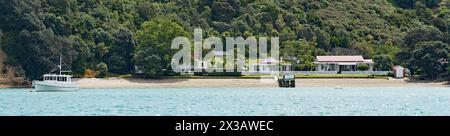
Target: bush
[102, 70]
[88, 73]
[390, 74]
[448, 68]
[406, 3]
[170, 73]
[363, 67]
[448, 64]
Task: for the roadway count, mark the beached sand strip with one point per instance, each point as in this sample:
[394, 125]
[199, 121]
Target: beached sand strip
[171, 83]
[230, 83]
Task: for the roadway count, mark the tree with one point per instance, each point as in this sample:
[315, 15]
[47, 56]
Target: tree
[430, 58]
[38, 52]
[85, 57]
[18, 14]
[31, 44]
[301, 49]
[423, 34]
[146, 10]
[287, 35]
[222, 11]
[323, 40]
[306, 33]
[126, 33]
[383, 62]
[337, 41]
[102, 70]
[121, 52]
[100, 51]
[153, 53]
[406, 3]
[448, 64]
[431, 3]
[221, 26]
[384, 56]
[206, 12]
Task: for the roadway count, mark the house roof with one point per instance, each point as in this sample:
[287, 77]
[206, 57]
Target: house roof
[357, 58]
[398, 67]
[269, 60]
[368, 61]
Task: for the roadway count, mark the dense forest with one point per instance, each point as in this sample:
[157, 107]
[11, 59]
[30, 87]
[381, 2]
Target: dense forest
[98, 37]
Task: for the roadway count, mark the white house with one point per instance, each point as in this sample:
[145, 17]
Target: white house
[203, 65]
[268, 65]
[341, 63]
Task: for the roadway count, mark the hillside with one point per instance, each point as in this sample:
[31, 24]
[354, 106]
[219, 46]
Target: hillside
[101, 36]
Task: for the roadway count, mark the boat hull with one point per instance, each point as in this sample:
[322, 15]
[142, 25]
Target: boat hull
[52, 87]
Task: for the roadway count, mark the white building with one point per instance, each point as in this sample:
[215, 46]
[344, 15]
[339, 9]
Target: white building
[268, 65]
[399, 71]
[341, 63]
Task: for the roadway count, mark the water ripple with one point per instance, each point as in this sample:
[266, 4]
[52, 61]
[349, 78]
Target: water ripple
[223, 101]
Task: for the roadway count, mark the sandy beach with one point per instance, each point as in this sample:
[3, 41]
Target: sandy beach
[238, 82]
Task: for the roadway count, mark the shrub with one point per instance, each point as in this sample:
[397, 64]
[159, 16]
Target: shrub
[88, 73]
[390, 74]
[448, 67]
[363, 67]
[102, 70]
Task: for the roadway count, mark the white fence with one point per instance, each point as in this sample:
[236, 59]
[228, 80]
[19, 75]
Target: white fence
[367, 72]
[321, 72]
[309, 72]
[260, 72]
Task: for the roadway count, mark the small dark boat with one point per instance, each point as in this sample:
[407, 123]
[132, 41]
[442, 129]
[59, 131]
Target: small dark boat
[287, 81]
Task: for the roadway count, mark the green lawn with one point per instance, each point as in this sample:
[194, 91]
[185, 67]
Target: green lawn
[324, 76]
[256, 76]
[339, 76]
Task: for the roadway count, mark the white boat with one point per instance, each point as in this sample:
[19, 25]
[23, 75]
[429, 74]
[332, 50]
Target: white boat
[55, 82]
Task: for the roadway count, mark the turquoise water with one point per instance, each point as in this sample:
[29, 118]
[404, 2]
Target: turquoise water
[229, 101]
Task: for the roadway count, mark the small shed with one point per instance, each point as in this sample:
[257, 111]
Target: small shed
[399, 71]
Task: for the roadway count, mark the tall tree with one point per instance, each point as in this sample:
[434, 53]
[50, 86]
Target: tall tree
[303, 51]
[153, 53]
[383, 62]
[31, 44]
[430, 58]
[222, 11]
[423, 34]
[121, 52]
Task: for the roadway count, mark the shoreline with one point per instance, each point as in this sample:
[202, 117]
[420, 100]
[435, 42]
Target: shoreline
[112, 83]
[96, 83]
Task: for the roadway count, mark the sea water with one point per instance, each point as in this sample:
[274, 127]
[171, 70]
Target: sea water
[228, 101]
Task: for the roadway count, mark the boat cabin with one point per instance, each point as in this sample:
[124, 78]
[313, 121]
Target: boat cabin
[57, 78]
[287, 81]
